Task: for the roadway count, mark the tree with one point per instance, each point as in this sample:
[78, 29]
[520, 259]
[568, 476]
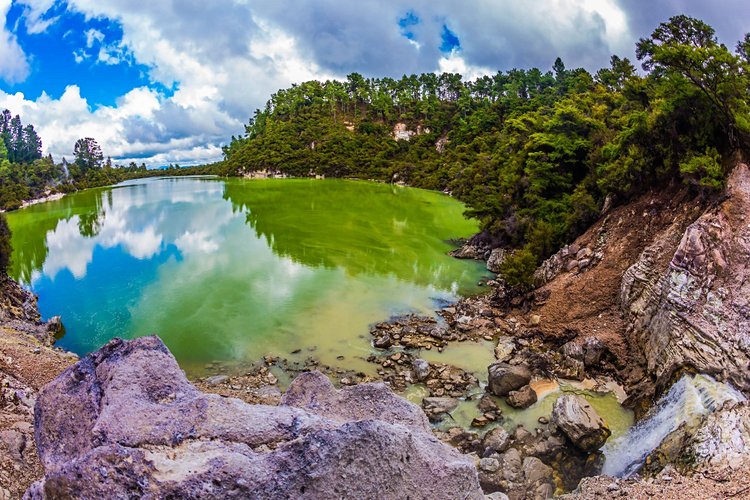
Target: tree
[88, 154]
[5, 248]
[687, 49]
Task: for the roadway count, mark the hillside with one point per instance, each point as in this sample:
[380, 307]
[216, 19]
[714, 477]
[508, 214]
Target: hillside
[535, 155]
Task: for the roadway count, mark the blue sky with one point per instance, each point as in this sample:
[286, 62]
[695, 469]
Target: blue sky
[170, 81]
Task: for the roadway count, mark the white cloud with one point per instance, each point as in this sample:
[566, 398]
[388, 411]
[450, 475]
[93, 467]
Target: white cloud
[34, 16]
[14, 67]
[224, 58]
[93, 35]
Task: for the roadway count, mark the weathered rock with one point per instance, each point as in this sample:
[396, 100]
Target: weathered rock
[125, 422]
[467, 251]
[383, 342]
[512, 465]
[593, 350]
[495, 440]
[538, 478]
[522, 398]
[504, 348]
[217, 379]
[437, 408]
[496, 259]
[504, 378]
[693, 311]
[421, 369]
[579, 422]
[723, 438]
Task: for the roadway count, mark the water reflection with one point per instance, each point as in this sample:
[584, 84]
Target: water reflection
[234, 270]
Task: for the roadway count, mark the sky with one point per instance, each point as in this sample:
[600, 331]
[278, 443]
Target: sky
[170, 81]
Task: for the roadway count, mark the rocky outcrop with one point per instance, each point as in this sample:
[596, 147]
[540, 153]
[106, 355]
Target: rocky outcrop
[723, 439]
[125, 422]
[504, 378]
[18, 311]
[496, 259]
[575, 417]
[695, 311]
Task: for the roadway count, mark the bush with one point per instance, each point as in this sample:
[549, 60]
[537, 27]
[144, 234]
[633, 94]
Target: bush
[518, 269]
[5, 248]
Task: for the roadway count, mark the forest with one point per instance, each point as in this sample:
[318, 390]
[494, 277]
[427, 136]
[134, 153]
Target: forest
[26, 175]
[535, 155]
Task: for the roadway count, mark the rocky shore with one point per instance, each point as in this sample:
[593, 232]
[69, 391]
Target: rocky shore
[652, 292]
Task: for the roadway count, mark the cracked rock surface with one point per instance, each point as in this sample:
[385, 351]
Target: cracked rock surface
[126, 422]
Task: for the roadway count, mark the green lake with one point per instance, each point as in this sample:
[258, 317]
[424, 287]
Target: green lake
[232, 270]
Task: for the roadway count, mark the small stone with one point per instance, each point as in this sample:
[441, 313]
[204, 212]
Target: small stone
[543, 420]
[480, 421]
[534, 320]
[613, 487]
[216, 380]
[496, 440]
[489, 464]
[421, 369]
[383, 342]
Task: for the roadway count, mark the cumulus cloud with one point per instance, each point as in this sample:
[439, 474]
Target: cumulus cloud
[224, 58]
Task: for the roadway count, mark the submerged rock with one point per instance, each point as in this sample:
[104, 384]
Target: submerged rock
[504, 378]
[125, 422]
[578, 420]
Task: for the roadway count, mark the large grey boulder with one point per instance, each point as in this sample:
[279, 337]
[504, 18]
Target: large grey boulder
[578, 420]
[125, 422]
[504, 378]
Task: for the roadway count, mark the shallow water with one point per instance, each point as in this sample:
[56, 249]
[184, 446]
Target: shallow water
[618, 418]
[231, 270]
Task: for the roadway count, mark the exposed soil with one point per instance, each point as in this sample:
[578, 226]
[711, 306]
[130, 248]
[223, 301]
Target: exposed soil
[713, 484]
[25, 366]
[585, 303]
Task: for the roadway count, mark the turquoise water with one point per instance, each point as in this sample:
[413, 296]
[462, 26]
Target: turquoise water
[231, 270]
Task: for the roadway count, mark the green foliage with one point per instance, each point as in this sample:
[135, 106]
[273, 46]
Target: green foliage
[704, 169]
[533, 154]
[518, 268]
[5, 249]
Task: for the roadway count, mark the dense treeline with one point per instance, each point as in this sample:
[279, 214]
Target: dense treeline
[533, 154]
[25, 174]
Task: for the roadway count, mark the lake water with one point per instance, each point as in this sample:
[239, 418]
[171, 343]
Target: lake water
[232, 270]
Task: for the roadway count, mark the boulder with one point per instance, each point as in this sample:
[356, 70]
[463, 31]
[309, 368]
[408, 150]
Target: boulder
[504, 378]
[467, 251]
[578, 420]
[538, 478]
[496, 259]
[437, 408]
[125, 422]
[522, 398]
